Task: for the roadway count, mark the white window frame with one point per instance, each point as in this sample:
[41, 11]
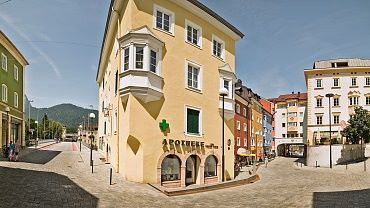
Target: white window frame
[16, 99]
[237, 141]
[194, 26]
[144, 59]
[319, 102]
[337, 120]
[4, 65]
[245, 142]
[16, 71]
[244, 111]
[245, 127]
[367, 98]
[355, 80]
[317, 120]
[317, 83]
[115, 121]
[238, 125]
[200, 76]
[237, 108]
[169, 13]
[200, 121]
[367, 81]
[334, 82]
[4, 93]
[214, 37]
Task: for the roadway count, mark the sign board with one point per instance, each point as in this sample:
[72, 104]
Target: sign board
[343, 124]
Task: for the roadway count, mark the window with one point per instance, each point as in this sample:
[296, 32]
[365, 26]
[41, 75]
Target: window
[244, 112]
[245, 127]
[336, 82]
[283, 124]
[105, 127]
[318, 120]
[193, 33]
[16, 72]
[318, 83]
[301, 135]
[217, 47]
[226, 86]
[237, 108]
[116, 83]
[252, 142]
[15, 99]
[115, 122]
[353, 82]
[164, 19]
[283, 135]
[4, 96]
[4, 62]
[336, 119]
[170, 168]
[238, 125]
[292, 123]
[301, 114]
[336, 101]
[210, 166]
[367, 81]
[283, 114]
[292, 114]
[300, 123]
[318, 102]
[193, 121]
[292, 104]
[153, 61]
[245, 142]
[237, 141]
[368, 100]
[193, 76]
[139, 57]
[353, 100]
[126, 55]
[342, 64]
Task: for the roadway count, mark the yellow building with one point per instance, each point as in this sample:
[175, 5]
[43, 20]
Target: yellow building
[256, 127]
[161, 68]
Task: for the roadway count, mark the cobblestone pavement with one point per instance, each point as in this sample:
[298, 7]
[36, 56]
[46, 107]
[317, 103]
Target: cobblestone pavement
[65, 180]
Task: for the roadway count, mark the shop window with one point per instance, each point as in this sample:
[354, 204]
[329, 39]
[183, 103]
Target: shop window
[210, 166]
[170, 168]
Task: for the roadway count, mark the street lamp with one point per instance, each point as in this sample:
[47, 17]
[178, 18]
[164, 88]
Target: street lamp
[7, 110]
[80, 127]
[223, 92]
[37, 132]
[329, 95]
[92, 116]
[29, 119]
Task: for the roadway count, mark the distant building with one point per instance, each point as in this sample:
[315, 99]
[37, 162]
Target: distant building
[256, 126]
[349, 82]
[267, 111]
[290, 123]
[12, 83]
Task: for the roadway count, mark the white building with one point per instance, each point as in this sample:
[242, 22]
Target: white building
[290, 123]
[349, 81]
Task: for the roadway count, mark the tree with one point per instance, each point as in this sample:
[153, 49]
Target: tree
[359, 126]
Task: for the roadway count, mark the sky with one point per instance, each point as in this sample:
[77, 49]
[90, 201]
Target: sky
[61, 39]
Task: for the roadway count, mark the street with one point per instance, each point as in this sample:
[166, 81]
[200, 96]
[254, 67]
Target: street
[60, 176]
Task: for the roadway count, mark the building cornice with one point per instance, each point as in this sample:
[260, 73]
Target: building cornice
[5, 41]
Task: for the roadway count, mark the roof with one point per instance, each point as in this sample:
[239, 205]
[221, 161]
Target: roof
[283, 98]
[348, 62]
[194, 2]
[16, 49]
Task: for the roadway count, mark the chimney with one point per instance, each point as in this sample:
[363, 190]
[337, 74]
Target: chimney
[292, 92]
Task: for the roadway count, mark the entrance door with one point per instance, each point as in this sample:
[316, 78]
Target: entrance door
[190, 170]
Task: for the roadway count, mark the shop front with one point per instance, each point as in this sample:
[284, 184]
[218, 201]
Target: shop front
[196, 167]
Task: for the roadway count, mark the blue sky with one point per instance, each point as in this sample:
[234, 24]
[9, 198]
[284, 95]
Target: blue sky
[61, 39]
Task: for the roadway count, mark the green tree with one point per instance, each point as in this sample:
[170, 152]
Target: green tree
[359, 126]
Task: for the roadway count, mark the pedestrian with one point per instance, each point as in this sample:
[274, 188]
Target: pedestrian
[11, 150]
[266, 160]
[17, 150]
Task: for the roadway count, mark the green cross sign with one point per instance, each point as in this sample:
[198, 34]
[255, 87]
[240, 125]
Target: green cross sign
[164, 125]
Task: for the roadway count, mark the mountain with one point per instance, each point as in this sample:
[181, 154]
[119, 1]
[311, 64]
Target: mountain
[68, 114]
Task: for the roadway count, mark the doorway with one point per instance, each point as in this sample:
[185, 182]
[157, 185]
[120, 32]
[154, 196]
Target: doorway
[192, 165]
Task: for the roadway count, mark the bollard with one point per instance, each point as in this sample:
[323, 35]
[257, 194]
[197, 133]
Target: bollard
[346, 165]
[316, 164]
[110, 177]
[92, 166]
[365, 165]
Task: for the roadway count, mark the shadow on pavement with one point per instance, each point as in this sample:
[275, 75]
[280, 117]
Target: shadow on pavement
[39, 156]
[356, 198]
[27, 188]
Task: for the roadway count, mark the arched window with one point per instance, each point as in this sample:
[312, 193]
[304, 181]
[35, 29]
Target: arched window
[170, 168]
[210, 166]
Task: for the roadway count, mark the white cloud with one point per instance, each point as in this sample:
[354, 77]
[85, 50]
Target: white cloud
[25, 36]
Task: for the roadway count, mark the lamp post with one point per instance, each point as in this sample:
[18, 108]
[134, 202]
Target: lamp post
[29, 119]
[92, 116]
[37, 132]
[7, 110]
[223, 92]
[80, 136]
[329, 95]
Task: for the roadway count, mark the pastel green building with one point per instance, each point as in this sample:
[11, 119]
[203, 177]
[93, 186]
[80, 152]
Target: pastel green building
[12, 73]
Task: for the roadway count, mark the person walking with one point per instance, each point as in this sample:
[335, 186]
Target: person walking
[11, 150]
[17, 150]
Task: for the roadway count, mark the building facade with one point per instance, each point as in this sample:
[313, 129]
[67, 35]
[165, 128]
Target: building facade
[12, 82]
[256, 126]
[161, 68]
[267, 112]
[349, 82]
[242, 124]
[290, 124]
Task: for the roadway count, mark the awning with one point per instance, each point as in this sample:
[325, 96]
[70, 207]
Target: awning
[242, 151]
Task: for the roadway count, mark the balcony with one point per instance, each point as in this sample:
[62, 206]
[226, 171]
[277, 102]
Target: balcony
[144, 85]
[229, 107]
[292, 128]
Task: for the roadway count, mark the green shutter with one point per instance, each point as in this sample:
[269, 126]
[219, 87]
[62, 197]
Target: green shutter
[192, 121]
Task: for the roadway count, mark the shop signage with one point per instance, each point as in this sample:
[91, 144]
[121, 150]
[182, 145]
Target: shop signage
[164, 125]
[187, 143]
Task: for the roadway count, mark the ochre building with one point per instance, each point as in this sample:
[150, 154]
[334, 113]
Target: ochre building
[161, 68]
